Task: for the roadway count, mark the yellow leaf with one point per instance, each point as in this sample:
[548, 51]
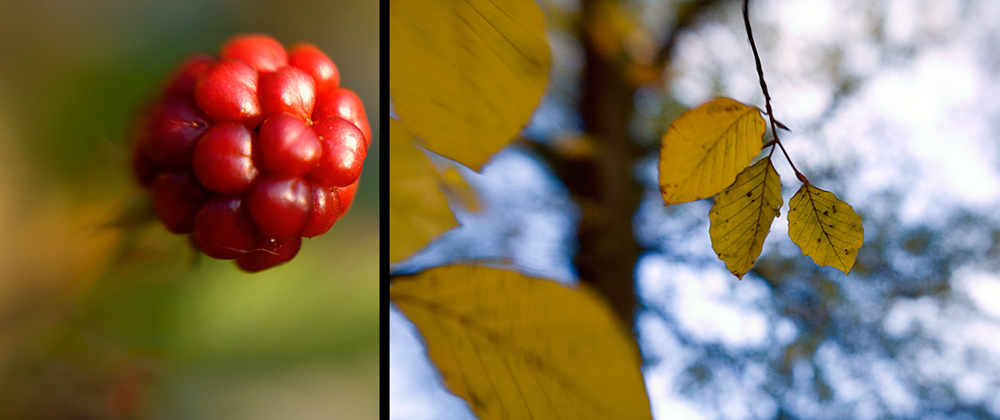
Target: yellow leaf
[458, 191]
[417, 209]
[516, 347]
[742, 214]
[466, 75]
[706, 147]
[827, 229]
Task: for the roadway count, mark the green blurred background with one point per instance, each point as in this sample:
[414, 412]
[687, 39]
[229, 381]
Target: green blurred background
[127, 322]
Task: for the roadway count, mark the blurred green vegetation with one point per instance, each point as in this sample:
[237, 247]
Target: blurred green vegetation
[131, 323]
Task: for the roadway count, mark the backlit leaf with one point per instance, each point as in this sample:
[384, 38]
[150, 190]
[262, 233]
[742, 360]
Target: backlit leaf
[466, 75]
[827, 229]
[742, 214]
[417, 209]
[706, 147]
[516, 347]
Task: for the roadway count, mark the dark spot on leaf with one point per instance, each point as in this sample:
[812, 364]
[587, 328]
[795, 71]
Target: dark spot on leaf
[830, 225]
[846, 252]
[826, 213]
[749, 193]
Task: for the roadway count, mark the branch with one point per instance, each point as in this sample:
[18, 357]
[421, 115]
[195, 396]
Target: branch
[767, 96]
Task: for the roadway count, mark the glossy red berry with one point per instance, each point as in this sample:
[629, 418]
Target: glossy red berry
[310, 59]
[263, 53]
[182, 83]
[288, 146]
[345, 104]
[227, 91]
[251, 151]
[287, 90]
[269, 253]
[325, 209]
[223, 159]
[223, 229]
[346, 196]
[174, 129]
[280, 205]
[177, 198]
[344, 151]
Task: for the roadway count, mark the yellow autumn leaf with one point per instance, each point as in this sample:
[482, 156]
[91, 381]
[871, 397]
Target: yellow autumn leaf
[706, 147]
[453, 185]
[417, 209]
[742, 214]
[517, 347]
[825, 228]
[466, 75]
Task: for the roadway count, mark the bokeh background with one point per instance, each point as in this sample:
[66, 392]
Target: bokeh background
[126, 322]
[892, 106]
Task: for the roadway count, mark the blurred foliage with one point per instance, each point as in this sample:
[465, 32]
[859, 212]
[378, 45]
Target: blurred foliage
[126, 321]
[533, 349]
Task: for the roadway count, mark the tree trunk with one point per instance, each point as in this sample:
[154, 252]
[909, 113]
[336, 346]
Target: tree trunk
[608, 194]
[605, 187]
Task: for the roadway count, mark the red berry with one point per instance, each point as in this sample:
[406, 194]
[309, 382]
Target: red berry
[346, 196]
[182, 82]
[345, 104]
[263, 53]
[311, 60]
[223, 229]
[250, 151]
[227, 91]
[344, 151]
[223, 159]
[288, 146]
[325, 210]
[144, 167]
[269, 253]
[177, 198]
[173, 131]
[287, 90]
[280, 205]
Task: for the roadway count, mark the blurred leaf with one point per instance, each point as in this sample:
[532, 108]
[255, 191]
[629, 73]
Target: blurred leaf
[742, 214]
[458, 191]
[465, 76]
[706, 147]
[417, 209]
[519, 347]
[827, 229]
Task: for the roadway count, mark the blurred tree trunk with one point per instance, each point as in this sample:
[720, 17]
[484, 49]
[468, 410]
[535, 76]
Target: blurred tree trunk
[605, 186]
[605, 189]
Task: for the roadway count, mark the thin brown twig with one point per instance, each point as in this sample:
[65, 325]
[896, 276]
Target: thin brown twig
[767, 97]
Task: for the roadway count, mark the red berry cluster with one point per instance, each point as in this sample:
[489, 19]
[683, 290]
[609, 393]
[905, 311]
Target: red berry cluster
[252, 151]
